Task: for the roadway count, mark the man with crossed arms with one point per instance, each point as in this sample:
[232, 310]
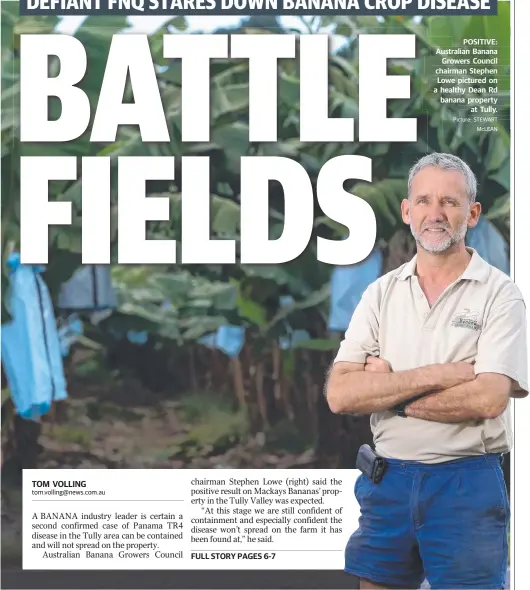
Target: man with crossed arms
[434, 351]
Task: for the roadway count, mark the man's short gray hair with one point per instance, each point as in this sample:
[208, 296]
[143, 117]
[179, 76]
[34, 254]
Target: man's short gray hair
[447, 162]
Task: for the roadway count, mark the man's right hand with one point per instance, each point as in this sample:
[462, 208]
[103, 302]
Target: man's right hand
[375, 364]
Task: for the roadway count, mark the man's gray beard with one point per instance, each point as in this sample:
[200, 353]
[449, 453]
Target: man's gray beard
[456, 238]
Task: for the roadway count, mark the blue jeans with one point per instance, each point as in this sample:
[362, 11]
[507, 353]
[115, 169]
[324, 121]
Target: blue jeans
[446, 522]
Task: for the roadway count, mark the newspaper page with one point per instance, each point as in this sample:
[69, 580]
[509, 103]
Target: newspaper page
[262, 321]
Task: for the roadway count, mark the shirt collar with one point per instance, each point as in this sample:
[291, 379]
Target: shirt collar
[477, 269]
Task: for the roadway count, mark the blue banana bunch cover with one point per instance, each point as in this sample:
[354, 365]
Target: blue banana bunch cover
[290, 339]
[69, 333]
[135, 337]
[228, 339]
[487, 240]
[348, 284]
[31, 351]
[89, 288]
[293, 338]
[141, 338]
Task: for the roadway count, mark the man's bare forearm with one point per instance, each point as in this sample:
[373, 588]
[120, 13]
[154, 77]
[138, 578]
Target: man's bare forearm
[485, 397]
[350, 389]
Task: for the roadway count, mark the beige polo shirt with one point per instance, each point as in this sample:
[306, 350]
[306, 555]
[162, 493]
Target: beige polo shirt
[481, 317]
